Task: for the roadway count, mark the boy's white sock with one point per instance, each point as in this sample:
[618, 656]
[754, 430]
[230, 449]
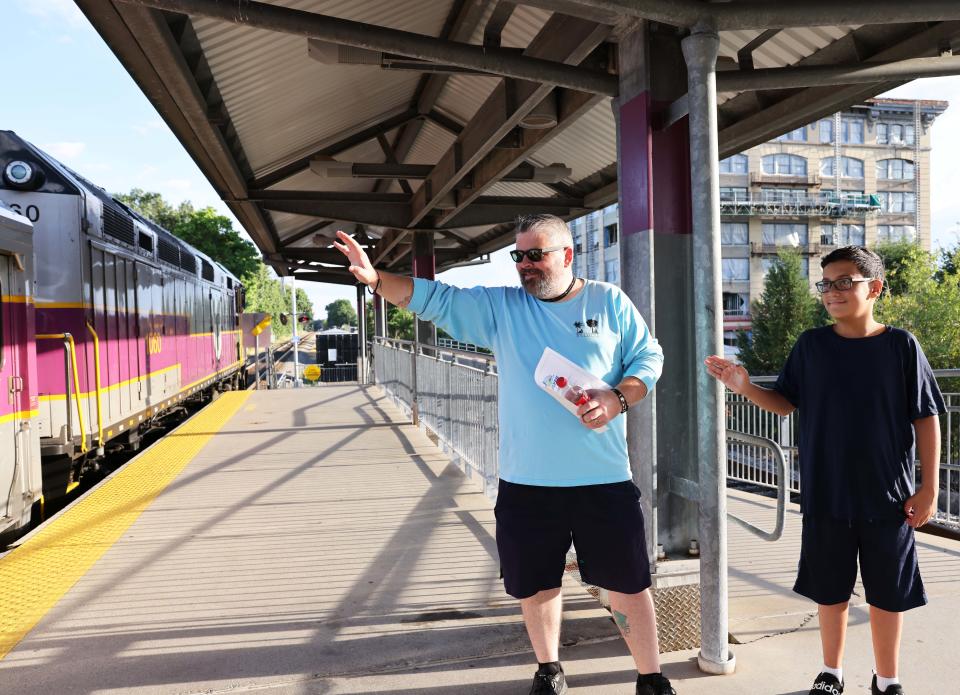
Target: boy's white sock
[883, 682]
[835, 672]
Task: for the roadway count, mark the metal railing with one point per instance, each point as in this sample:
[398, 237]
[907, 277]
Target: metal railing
[450, 393]
[453, 394]
[754, 465]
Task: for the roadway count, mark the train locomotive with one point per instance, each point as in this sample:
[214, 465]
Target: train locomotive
[108, 324]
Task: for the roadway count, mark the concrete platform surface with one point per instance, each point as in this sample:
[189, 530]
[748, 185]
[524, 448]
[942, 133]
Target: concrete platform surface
[319, 544]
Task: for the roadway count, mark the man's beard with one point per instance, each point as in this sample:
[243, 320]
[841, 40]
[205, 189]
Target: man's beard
[537, 283]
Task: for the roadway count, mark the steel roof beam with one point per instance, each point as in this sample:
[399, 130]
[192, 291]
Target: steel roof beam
[342, 31]
[303, 233]
[391, 209]
[462, 21]
[746, 125]
[145, 45]
[390, 170]
[340, 143]
[500, 163]
[818, 13]
[821, 75]
[766, 14]
[562, 38]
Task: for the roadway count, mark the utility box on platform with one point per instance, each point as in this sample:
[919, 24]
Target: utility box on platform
[337, 353]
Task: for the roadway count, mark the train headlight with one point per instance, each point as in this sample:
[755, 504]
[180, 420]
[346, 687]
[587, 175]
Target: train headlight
[21, 175]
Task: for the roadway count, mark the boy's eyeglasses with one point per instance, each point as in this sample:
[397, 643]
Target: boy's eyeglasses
[535, 255]
[841, 285]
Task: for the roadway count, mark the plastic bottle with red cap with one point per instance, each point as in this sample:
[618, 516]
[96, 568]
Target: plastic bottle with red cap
[575, 394]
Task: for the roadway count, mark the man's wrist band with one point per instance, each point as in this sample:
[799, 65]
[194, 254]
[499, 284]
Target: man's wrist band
[377, 287]
[624, 406]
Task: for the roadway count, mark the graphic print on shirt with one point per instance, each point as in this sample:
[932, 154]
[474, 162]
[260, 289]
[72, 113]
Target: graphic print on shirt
[589, 328]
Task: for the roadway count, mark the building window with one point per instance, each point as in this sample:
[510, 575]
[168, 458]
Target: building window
[767, 263]
[734, 233]
[577, 245]
[784, 234]
[842, 235]
[895, 233]
[737, 164]
[849, 167]
[826, 130]
[611, 270]
[784, 165]
[736, 304]
[895, 169]
[733, 193]
[784, 195]
[897, 202]
[797, 135]
[610, 235]
[852, 131]
[895, 134]
[735, 269]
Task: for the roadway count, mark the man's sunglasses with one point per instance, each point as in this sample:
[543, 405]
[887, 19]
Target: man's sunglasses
[535, 255]
[841, 285]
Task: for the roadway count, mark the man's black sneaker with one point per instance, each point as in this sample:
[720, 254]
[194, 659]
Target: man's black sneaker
[826, 684]
[654, 684]
[545, 683]
[895, 689]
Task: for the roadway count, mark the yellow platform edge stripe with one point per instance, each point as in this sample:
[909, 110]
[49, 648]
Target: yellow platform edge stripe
[36, 575]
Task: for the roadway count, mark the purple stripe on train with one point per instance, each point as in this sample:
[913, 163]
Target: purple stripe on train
[127, 352]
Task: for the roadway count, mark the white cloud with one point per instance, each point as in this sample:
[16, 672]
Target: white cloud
[149, 126]
[63, 10]
[65, 39]
[178, 184]
[64, 150]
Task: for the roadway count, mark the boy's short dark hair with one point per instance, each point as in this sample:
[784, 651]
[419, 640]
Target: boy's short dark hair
[867, 262]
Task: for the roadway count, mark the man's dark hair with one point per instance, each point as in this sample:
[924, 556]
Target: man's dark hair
[867, 262]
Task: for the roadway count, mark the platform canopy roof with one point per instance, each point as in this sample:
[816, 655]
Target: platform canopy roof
[388, 117]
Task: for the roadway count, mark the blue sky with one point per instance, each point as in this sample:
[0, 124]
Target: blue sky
[77, 102]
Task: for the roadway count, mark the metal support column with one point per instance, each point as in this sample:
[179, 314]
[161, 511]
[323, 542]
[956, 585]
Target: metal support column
[700, 51]
[424, 266]
[632, 113]
[294, 322]
[362, 334]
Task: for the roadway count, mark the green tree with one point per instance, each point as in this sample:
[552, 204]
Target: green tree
[340, 312]
[400, 323]
[785, 310]
[304, 305]
[264, 293]
[896, 256]
[204, 229]
[928, 308]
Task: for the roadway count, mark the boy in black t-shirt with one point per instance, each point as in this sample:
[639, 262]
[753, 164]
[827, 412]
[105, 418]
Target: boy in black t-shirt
[865, 395]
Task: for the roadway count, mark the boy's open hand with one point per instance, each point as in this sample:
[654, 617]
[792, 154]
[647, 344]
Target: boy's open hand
[731, 375]
[360, 264]
[920, 508]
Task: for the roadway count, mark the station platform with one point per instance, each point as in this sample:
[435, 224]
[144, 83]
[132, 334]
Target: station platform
[313, 541]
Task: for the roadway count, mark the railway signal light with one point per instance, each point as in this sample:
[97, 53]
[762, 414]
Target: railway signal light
[303, 318]
[283, 319]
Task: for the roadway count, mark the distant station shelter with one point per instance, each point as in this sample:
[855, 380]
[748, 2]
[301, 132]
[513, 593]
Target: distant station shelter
[426, 128]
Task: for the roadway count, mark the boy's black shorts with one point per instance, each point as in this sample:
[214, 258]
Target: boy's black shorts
[535, 526]
[888, 562]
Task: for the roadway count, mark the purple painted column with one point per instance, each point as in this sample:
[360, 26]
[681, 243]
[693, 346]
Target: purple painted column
[424, 266]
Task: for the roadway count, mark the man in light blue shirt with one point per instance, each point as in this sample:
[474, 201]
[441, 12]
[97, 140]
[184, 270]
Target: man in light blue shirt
[560, 480]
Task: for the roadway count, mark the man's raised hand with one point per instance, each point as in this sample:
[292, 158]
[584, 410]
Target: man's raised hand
[360, 264]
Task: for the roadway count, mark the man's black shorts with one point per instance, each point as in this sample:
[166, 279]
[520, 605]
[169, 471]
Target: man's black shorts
[888, 562]
[535, 526]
